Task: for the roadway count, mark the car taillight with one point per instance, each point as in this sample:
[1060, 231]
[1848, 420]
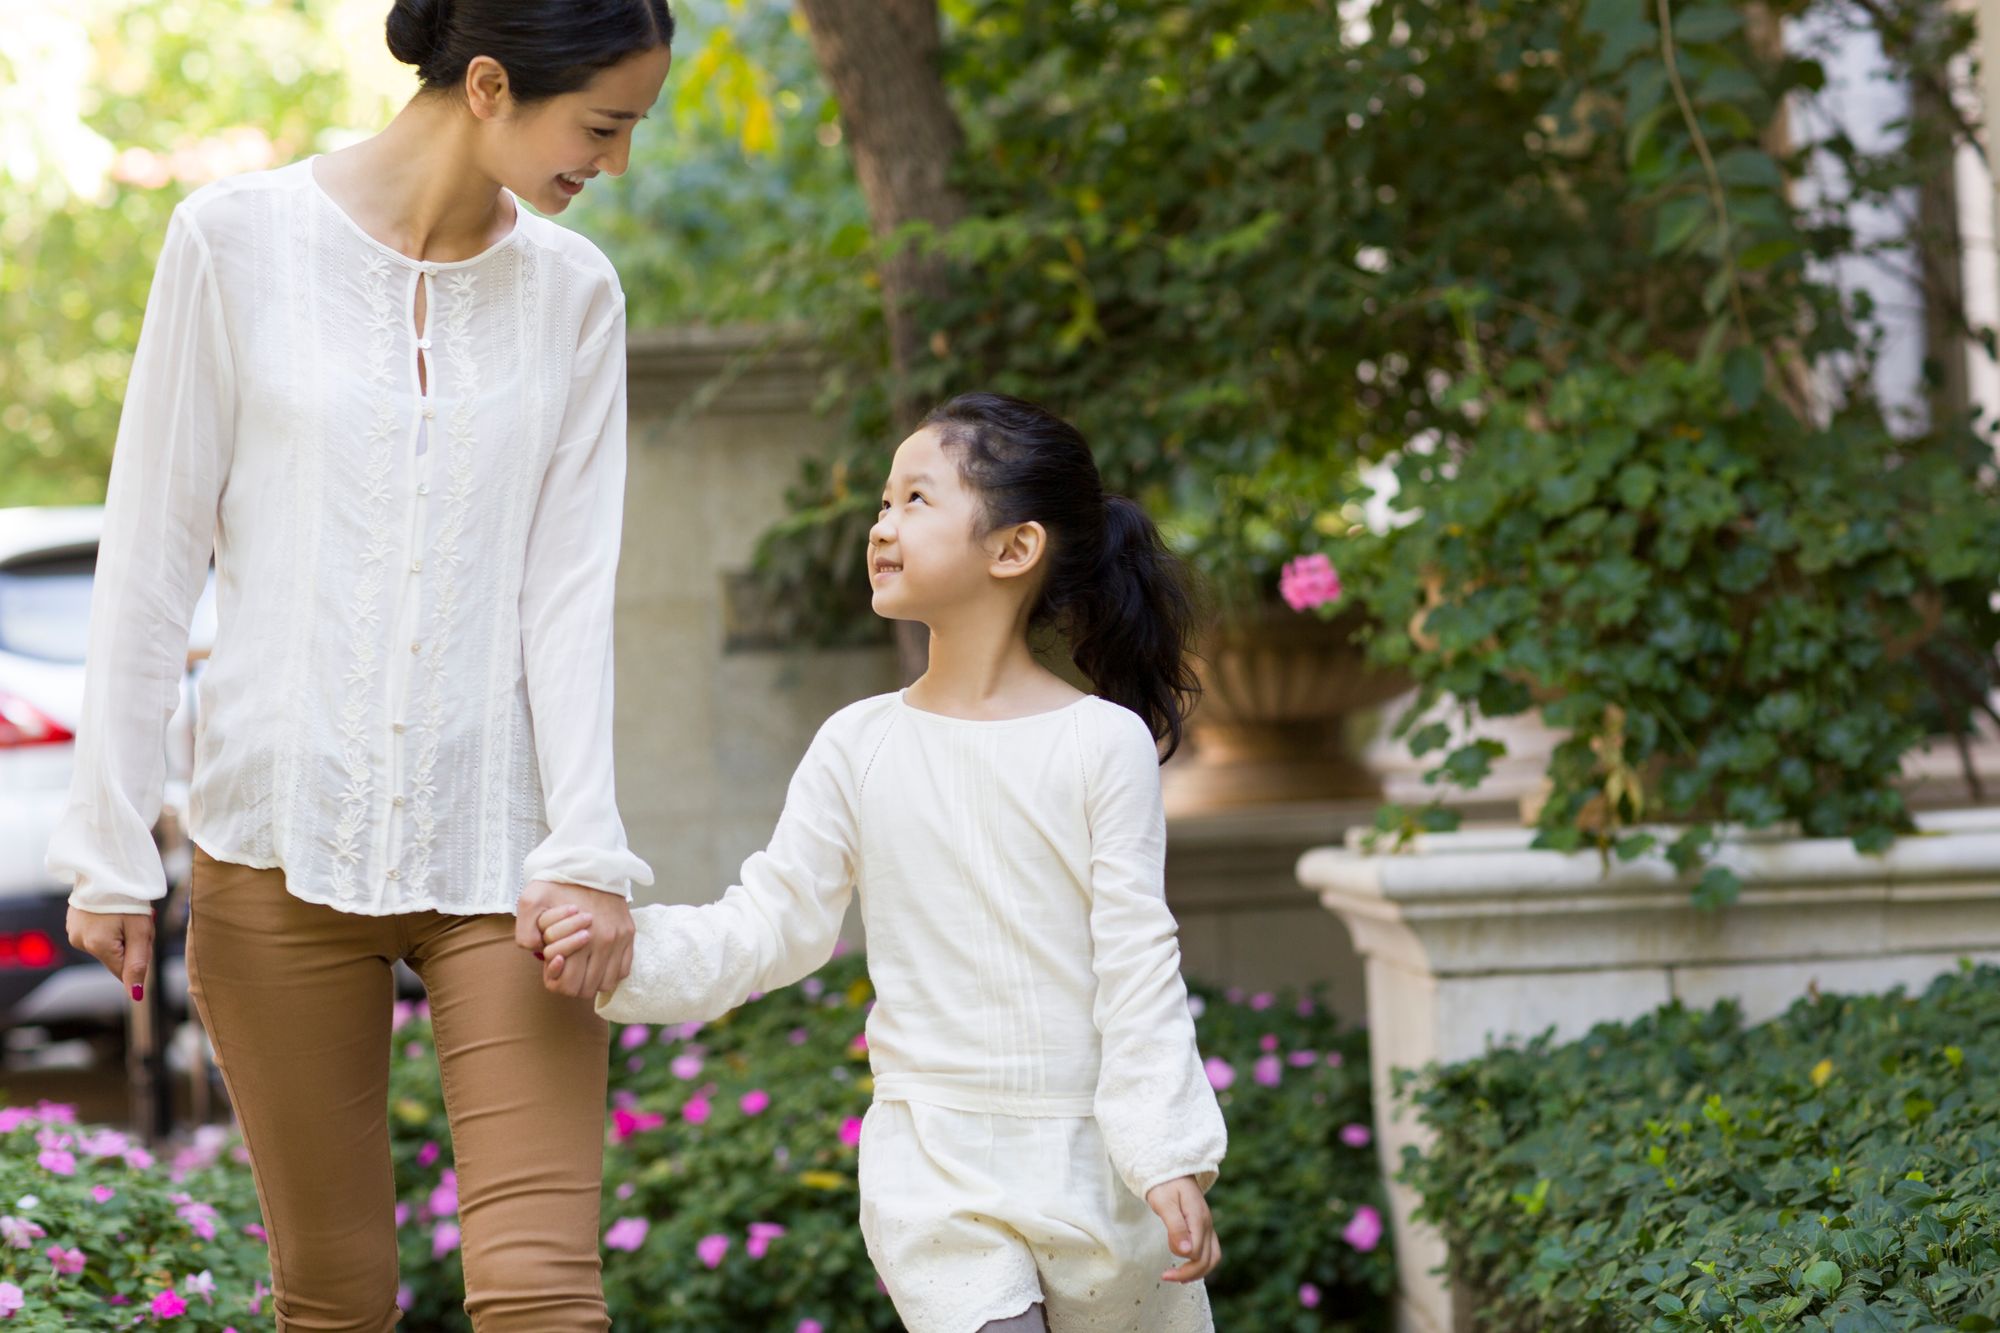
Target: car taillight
[21, 723]
[32, 949]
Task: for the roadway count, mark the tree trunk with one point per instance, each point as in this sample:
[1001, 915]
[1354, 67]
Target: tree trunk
[881, 59]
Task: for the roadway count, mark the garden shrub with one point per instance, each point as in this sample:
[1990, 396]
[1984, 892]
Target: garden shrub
[1835, 1170]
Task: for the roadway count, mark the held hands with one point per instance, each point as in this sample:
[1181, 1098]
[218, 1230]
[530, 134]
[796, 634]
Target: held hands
[597, 944]
[122, 941]
[1190, 1230]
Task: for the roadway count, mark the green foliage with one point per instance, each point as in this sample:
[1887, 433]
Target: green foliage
[1833, 1170]
[1289, 1186]
[157, 1226]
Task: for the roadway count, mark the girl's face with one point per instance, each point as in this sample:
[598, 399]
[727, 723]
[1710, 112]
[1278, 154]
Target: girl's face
[547, 151]
[923, 552]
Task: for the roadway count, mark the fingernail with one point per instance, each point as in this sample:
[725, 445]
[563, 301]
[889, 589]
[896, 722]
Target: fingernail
[538, 953]
[138, 992]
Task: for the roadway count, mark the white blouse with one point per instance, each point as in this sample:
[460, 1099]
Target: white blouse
[1011, 876]
[408, 703]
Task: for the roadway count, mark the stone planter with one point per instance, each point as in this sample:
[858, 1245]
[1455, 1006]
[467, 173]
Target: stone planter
[1277, 693]
[1473, 938]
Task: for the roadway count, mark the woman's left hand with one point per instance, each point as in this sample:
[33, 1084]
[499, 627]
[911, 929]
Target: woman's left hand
[1190, 1231]
[605, 961]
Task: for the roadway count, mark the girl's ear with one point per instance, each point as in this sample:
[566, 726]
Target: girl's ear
[486, 87]
[1017, 550]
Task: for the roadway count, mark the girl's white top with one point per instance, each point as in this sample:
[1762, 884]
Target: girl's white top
[408, 703]
[1023, 957]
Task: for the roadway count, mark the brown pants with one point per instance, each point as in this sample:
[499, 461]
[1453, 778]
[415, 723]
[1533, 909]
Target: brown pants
[296, 999]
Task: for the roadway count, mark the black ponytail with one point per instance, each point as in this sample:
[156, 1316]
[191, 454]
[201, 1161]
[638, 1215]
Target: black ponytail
[547, 48]
[1113, 590]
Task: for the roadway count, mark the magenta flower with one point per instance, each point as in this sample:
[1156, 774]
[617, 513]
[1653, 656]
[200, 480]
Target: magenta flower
[103, 1193]
[1364, 1230]
[406, 1296]
[169, 1305]
[1262, 1000]
[1309, 1295]
[1305, 1009]
[13, 1117]
[200, 1217]
[809, 1326]
[755, 1102]
[859, 1046]
[626, 1189]
[627, 1234]
[414, 1051]
[761, 1236]
[262, 1237]
[67, 1263]
[624, 1123]
[1268, 1072]
[402, 1215]
[1196, 1006]
[1309, 581]
[1356, 1135]
[710, 1249]
[1302, 1059]
[20, 1233]
[444, 1240]
[58, 1161]
[12, 1298]
[797, 1036]
[257, 1295]
[1268, 1042]
[632, 1038]
[1220, 1073]
[1333, 1059]
[444, 1199]
[201, 1284]
[696, 1111]
[850, 1132]
[685, 1067]
[139, 1159]
[429, 1153]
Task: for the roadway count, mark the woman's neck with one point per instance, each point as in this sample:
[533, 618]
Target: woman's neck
[416, 187]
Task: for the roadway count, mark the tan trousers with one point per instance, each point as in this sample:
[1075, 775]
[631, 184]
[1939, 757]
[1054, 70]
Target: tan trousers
[296, 999]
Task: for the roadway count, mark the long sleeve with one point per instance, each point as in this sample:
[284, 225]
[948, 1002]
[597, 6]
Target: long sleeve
[567, 594]
[175, 441]
[1154, 1104]
[778, 925]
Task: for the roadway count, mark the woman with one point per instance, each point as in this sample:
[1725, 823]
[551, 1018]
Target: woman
[391, 402]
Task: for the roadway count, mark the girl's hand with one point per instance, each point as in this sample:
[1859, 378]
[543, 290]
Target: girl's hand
[122, 941]
[1190, 1230]
[602, 956]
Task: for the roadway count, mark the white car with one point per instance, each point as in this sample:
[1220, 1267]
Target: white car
[47, 559]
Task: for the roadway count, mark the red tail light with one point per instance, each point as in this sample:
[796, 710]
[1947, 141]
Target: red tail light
[31, 949]
[22, 724]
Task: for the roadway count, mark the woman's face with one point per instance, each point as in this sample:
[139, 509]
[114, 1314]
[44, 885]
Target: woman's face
[545, 152]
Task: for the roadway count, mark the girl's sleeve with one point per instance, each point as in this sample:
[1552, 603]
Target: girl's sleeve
[175, 441]
[567, 593]
[692, 964]
[1154, 1104]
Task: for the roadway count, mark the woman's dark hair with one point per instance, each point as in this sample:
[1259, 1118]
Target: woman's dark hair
[1113, 590]
[547, 48]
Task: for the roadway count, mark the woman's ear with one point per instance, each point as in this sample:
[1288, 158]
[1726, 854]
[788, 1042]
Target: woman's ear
[1017, 550]
[486, 87]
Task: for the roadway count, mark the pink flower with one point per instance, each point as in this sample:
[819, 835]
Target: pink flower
[710, 1249]
[58, 1161]
[402, 1216]
[68, 1263]
[1269, 1071]
[414, 1051]
[797, 1036]
[1196, 1006]
[1302, 1059]
[399, 1014]
[1364, 1230]
[626, 1189]
[761, 1236]
[696, 1111]
[201, 1284]
[169, 1305]
[20, 1233]
[1356, 1135]
[103, 1193]
[627, 1234]
[199, 1216]
[850, 1132]
[257, 1296]
[1268, 1042]
[406, 1296]
[262, 1237]
[1309, 1295]
[1306, 1009]
[1309, 581]
[624, 1124]
[444, 1199]
[429, 1153]
[1262, 1000]
[12, 1298]
[632, 1038]
[139, 1159]
[635, 1065]
[444, 1240]
[1220, 1074]
[755, 1102]
[1333, 1059]
[809, 1326]
[685, 1067]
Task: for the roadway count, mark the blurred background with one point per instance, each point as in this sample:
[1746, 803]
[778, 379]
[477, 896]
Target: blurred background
[1579, 413]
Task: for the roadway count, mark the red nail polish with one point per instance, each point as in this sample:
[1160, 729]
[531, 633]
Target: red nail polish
[538, 953]
[138, 992]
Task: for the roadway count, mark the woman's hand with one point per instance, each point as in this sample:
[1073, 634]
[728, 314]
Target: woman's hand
[1190, 1230]
[122, 941]
[605, 960]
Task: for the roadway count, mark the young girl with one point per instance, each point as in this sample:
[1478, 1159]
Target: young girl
[1037, 1088]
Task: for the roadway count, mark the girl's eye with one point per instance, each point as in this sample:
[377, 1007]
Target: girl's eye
[602, 134]
[916, 496]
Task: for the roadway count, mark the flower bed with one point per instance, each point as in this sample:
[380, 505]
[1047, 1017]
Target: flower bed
[730, 1183]
[1836, 1169]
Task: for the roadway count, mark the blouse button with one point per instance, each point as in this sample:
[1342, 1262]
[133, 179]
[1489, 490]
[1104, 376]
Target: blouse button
[416, 566]
[397, 801]
[416, 647]
[423, 344]
[430, 414]
[423, 488]
[402, 727]
[395, 874]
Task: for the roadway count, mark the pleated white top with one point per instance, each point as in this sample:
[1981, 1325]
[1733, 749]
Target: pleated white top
[408, 705]
[1011, 884]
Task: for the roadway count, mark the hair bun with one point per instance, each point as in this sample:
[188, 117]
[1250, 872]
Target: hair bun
[416, 30]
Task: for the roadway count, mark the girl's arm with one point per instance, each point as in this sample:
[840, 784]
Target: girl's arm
[567, 586]
[1154, 1104]
[692, 964]
[175, 440]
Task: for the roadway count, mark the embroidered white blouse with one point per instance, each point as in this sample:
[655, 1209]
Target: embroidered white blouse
[1011, 877]
[408, 703]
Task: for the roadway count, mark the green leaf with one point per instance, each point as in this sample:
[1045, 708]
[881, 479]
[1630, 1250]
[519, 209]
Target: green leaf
[1706, 23]
[1823, 1277]
[1677, 222]
[1743, 375]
